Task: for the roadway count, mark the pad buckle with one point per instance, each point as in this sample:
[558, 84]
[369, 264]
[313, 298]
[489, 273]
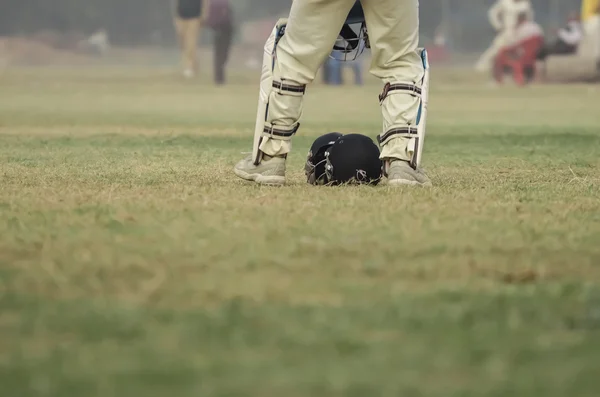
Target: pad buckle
[402, 131]
[411, 89]
[276, 133]
[283, 87]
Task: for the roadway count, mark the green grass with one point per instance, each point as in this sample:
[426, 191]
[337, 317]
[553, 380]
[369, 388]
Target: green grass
[134, 263]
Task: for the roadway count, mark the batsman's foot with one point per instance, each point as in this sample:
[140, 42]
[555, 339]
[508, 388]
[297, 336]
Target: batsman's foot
[400, 173]
[271, 170]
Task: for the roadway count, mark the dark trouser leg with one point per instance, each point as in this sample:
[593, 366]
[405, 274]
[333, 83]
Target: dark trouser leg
[223, 36]
[562, 48]
[558, 47]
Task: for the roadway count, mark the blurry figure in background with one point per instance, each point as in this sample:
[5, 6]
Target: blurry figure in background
[439, 40]
[567, 40]
[503, 16]
[220, 20]
[325, 73]
[519, 57]
[334, 70]
[590, 16]
[188, 21]
[97, 43]
[438, 49]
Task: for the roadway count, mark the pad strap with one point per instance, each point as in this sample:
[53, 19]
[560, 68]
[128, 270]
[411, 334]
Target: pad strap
[406, 132]
[281, 88]
[281, 133]
[411, 89]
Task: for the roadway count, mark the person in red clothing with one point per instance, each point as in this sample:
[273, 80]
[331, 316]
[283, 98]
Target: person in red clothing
[220, 20]
[518, 58]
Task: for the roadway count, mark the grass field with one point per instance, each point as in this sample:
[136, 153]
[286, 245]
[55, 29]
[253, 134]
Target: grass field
[133, 262]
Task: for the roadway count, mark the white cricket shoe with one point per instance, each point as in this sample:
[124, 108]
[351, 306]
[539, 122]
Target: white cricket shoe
[400, 173]
[270, 171]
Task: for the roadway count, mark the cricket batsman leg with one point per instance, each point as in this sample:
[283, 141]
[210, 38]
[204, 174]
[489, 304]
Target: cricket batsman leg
[402, 66]
[293, 54]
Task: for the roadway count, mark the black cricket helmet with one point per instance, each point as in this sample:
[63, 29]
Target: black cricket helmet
[353, 159]
[314, 168]
[335, 159]
[354, 37]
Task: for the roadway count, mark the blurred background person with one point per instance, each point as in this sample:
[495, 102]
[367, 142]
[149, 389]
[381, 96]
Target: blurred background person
[334, 70]
[188, 21]
[567, 40]
[503, 17]
[590, 15]
[97, 44]
[518, 58]
[590, 18]
[220, 20]
[438, 50]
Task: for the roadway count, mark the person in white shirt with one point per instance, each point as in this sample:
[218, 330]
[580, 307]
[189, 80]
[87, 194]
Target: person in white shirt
[504, 17]
[567, 41]
[527, 30]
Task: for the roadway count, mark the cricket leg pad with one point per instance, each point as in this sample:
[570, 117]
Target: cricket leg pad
[279, 104]
[404, 109]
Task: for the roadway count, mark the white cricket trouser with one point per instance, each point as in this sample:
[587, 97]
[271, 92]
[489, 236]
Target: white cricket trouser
[312, 29]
